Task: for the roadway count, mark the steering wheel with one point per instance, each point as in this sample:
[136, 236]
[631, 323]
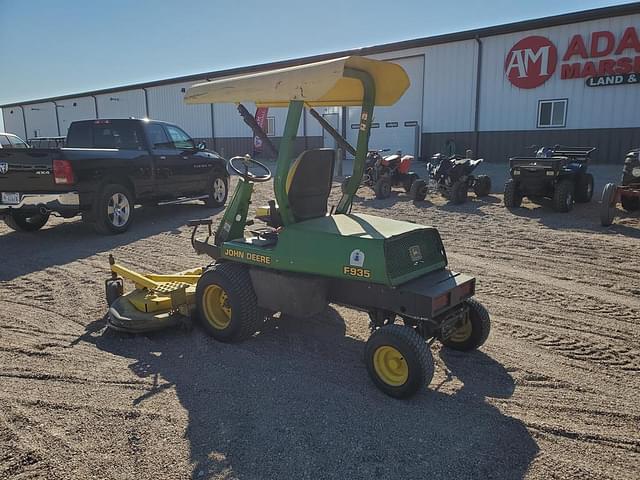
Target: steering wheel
[244, 172]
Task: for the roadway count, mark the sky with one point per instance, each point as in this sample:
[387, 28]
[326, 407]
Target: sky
[58, 47]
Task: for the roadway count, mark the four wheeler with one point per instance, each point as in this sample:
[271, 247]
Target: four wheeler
[308, 255]
[453, 177]
[382, 173]
[628, 193]
[558, 173]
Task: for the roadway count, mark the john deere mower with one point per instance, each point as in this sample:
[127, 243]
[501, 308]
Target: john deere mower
[305, 255]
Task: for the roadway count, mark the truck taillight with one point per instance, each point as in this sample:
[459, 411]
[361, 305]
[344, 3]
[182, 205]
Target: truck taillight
[62, 172]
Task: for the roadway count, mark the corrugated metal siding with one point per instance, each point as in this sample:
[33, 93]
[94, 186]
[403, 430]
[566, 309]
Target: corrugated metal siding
[41, 120]
[123, 104]
[73, 109]
[506, 107]
[14, 121]
[450, 87]
[167, 103]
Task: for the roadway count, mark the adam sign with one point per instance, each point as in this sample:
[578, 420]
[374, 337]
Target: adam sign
[533, 60]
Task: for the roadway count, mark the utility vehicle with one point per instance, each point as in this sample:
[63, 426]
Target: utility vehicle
[558, 173]
[453, 177]
[309, 255]
[628, 193]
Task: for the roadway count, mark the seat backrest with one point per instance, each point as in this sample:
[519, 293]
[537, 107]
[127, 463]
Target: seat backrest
[309, 183]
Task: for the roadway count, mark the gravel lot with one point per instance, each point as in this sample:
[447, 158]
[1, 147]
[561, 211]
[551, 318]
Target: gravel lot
[553, 393]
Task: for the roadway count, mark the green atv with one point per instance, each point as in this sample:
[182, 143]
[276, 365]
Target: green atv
[304, 257]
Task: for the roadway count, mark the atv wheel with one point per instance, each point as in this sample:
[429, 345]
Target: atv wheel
[418, 190]
[630, 204]
[218, 191]
[226, 303]
[459, 192]
[408, 183]
[607, 208]
[584, 188]
[113, 209]
[474, 330]
[482, 186]
[382, 188]
[21, 222]
[343, 185]
[398, 360]
[512, 195]
[563, 197]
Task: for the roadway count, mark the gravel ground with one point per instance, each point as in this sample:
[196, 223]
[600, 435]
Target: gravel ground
[552, 394]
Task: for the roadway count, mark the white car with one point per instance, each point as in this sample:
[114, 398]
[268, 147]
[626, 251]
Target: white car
[9, 140]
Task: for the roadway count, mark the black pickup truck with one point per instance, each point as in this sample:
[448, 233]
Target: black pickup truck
[106, 168]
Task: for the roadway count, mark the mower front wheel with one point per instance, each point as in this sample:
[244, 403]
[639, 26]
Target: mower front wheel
[473, 331]
[226, 303]
[398, 360]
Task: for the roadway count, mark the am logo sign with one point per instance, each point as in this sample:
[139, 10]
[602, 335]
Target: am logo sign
[531, 62]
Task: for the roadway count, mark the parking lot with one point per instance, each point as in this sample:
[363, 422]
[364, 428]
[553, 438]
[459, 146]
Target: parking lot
[553, 393]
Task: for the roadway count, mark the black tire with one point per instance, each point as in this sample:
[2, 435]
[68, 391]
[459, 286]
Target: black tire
[474, 331]
[482, 185]
[512, 195]
[418, 190]
[106, 220]
[459, 192]
[343, 185]
[630, 204]
[218, 191]
[113, 290]
[408, 181]
[382, 188]
[412, 356]
[243, 318]
[21, 222]
[563, 196]
[607, 210]
[584, 188]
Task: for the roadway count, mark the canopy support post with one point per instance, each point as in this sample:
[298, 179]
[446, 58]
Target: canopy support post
[285, 158]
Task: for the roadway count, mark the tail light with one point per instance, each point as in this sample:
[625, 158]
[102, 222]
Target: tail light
[440, 302]
[62, 172]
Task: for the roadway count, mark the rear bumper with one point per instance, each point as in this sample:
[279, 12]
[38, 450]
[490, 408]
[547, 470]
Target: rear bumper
[64, 201]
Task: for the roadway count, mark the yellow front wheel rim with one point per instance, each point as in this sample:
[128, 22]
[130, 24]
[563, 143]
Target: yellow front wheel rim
[462, 333]
[390, 366]
[217, 310]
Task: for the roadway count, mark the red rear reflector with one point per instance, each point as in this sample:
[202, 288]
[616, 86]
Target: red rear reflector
[440, 302]
[466, 289]
[62, 172]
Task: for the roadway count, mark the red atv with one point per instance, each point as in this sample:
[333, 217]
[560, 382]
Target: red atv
[381, 174]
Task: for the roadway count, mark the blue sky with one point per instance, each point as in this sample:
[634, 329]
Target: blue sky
[67, 46]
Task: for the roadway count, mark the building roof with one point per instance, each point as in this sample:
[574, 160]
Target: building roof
[564, 19]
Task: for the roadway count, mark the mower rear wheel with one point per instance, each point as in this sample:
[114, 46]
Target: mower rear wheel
[398, 360]
[563, 196]
[226, 303]
[584, 188]
[382, 188]
[459, 192]
[474, 330]
[482, 186]
[512, 195]
[607, 207]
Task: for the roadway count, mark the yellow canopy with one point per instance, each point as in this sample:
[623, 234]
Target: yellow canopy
[317, 84]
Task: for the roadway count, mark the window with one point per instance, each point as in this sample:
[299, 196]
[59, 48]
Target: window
[16, 142]
[122, 137]
[158, 137]
[552, 113]
[271, 126]
[4, 142]
[180, 140]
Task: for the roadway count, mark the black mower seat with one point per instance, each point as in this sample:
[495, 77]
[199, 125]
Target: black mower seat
[309, 183]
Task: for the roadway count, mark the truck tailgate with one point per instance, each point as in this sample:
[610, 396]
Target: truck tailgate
[28, 171]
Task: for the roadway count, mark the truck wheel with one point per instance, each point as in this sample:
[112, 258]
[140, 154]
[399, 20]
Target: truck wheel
[226, 303]
[113, 210]
[343, 185]
[512, 195]
[398, 360]
[218, 191]
[563, 197]
[408, 182]
[473, 332]
[584, 188]
[607, 208]
[459, 192]
[21, 222]
[382, 188]
[630, 204]
[418, 190]
[482, 186]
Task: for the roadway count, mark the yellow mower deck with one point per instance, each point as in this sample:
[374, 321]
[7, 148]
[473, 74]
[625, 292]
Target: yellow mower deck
[156, 302]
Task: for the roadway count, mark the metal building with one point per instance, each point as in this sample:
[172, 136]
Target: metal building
[567, 79]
